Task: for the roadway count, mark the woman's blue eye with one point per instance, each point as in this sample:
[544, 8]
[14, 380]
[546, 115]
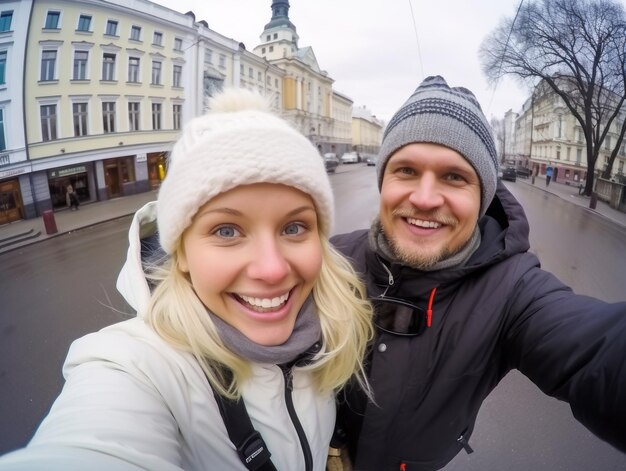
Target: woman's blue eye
[293, 229]
[227, 231]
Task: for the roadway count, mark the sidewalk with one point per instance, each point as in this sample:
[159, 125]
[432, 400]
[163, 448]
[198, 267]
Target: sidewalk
[570, 193]
[21, 233]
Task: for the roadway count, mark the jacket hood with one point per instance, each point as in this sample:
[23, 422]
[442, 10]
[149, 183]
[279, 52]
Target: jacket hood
[143, 246]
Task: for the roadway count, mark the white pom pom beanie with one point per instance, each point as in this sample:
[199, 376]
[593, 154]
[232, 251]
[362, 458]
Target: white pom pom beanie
[239, 142]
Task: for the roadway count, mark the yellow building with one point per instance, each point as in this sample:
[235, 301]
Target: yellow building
[105, 88]
[307, 90]
[367, 131]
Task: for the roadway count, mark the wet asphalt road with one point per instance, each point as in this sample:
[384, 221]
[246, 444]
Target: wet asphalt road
[57, 290]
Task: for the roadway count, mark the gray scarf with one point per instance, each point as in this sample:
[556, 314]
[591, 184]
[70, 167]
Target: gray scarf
[306, 332]
[378, 242]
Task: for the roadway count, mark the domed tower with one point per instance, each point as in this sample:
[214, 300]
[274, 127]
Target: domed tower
[279, 38]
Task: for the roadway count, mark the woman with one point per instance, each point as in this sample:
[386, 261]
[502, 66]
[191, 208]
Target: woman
[249, 301]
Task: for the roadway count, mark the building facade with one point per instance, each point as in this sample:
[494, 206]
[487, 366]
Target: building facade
[367, 131]
[14, 168]
[105, 96]
[547, 134]
[94, 92]
[307, 94]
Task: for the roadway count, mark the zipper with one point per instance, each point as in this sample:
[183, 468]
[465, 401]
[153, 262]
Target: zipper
[306, 449]
[390, 280]
[465, 444]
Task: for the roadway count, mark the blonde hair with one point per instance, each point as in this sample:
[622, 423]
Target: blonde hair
[180, 318]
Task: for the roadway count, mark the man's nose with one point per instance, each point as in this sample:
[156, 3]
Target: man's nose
[427, 193]
[269, 263]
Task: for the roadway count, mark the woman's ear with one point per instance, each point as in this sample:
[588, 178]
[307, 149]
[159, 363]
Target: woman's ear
[181, 258]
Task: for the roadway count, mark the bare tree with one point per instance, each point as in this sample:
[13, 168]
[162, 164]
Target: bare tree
[575, 47]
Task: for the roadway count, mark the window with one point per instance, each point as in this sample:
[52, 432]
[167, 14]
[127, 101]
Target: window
[80, 65]
[607, 142]
[208, 56]
[133, 116]
[177, 111]
[5, 20]
[157, 38]
[275, 35]
[52, 20]
[268, 37]
[178, 44]
[156, 116]
[222, 60]
[259, 76]
[276, 83]
[108, 66]
[80, 119]
[178, 72]
[84, 23]
[133, 69]
[48, 65]
[48, 122]
[3, 67]
[135, 33]
[250, 73]
[579, 156]
[262, 50]
[271, 48]
[241, 70]
[108, 116]
[111, 29]
[156, 73]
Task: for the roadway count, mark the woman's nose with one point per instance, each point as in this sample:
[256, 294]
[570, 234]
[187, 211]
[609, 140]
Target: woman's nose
[269, 263]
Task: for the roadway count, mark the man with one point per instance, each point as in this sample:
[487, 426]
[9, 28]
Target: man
[459, 301]
[549, 171]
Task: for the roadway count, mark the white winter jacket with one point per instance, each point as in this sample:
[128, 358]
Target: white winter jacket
[131, 401]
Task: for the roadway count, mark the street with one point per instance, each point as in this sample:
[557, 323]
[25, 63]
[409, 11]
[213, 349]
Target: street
[57, 290]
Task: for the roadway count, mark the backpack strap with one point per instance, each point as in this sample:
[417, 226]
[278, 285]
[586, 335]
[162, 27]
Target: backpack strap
[251, 447]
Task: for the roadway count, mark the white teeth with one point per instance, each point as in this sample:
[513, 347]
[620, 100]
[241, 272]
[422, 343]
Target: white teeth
[422, 223]
[265, 302]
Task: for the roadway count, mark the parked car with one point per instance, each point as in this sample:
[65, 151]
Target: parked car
[523, 172]
[349, 158]
[370, 160]
[331, 162]
[509, 173]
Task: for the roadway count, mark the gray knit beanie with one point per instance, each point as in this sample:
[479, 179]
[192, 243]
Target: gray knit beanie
[451, 117]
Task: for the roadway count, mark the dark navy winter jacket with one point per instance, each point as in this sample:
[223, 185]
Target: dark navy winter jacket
[498, 312]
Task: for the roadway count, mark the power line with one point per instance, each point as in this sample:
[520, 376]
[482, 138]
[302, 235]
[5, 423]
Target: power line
[417, 40]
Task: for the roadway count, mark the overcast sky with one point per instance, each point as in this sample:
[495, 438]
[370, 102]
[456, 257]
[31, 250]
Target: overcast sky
[378, 51]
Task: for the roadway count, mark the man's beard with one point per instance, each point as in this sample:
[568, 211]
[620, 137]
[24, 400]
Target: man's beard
[414, 256]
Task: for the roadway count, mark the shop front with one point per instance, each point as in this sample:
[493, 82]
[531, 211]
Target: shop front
[60, 178]
[156, 169]
[10, 201]
[119, 176]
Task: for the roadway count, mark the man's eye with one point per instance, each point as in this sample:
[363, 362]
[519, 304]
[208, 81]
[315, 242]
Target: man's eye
[406, 171]
[294, 228]
[455, 177]
[226, 232]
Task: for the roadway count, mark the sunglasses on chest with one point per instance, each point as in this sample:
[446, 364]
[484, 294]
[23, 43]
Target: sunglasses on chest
[399, 317]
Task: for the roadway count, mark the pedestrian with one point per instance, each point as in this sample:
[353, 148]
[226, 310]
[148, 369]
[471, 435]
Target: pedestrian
[248, 302]
[459, 301]
[549, 171]
[71, 198]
